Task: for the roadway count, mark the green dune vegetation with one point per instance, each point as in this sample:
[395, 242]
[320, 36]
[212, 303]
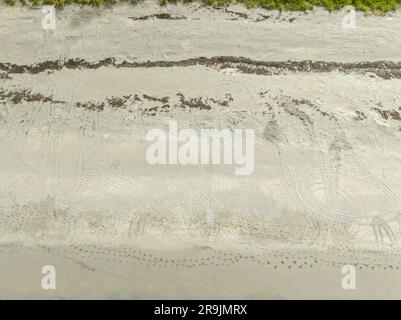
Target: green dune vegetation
[369, 6]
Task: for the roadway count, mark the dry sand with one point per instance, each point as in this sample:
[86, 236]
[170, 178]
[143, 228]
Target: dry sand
[76, 191]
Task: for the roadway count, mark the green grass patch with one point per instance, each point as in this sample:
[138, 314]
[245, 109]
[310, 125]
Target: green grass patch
[371, 6]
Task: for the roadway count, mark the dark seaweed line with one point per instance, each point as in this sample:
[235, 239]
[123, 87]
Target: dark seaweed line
[383, 69]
